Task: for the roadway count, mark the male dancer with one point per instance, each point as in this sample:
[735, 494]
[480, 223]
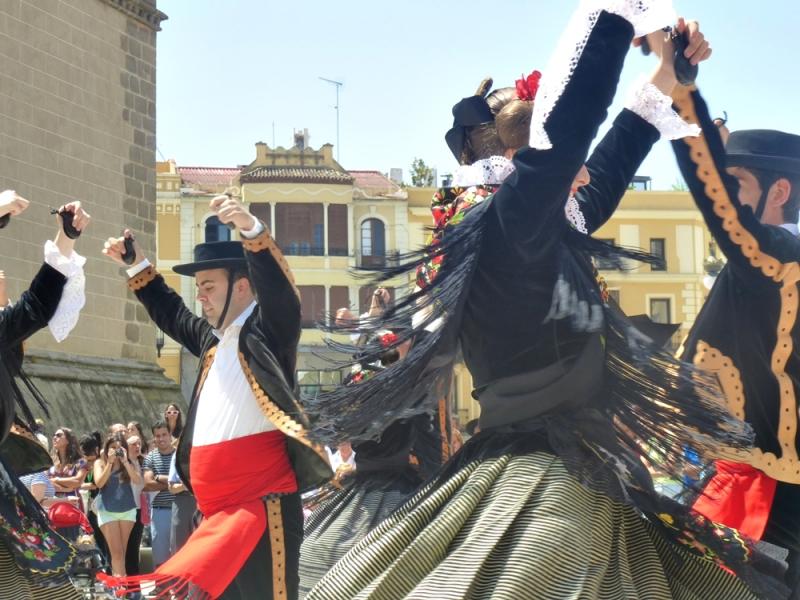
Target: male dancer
[747, 331]
[244, 451]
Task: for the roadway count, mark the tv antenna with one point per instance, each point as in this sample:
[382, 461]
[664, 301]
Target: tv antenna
[338, 85]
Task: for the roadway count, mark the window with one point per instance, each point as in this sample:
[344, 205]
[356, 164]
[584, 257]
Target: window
[339, 297]
[660, 310]
[216, 231]
[337, 230]
[373, 243]
[299, 228]
[312, 304]
[313, 382]
[261, 210]
[658, 248]
[604, 264]
[614, 294]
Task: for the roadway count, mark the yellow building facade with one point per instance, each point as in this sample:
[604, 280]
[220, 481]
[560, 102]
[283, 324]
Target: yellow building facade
[328, 221]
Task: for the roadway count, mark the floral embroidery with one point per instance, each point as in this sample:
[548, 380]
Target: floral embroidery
[449, 206]
[31, 540]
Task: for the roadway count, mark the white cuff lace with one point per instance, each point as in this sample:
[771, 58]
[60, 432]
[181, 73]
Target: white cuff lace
[646, 16]
[73, 297]
[487, 171]
[647, 101]
[254, 232]
[136, 269]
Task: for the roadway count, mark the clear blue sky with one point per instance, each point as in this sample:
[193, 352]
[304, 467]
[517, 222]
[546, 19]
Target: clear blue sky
[228, 70]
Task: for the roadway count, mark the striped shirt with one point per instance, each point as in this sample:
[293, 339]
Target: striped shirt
[40, 477]
[159, 464]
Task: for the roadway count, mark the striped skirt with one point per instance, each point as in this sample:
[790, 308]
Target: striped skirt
[343, 520]
[519, 526]
[14, 584]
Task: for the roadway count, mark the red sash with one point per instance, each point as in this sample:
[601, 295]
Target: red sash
[739, 496]
[229, 480]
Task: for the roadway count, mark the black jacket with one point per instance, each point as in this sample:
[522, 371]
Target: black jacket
[18, 322]
[747, 331]
[268, 344]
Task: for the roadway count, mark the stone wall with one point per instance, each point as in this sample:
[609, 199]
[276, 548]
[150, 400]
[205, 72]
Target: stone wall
[77, 121]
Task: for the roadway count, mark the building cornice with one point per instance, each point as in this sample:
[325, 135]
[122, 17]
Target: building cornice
[142, 11]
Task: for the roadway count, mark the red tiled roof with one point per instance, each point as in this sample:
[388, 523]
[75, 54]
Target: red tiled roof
[296, 174]
[208, 178]
[374, 183]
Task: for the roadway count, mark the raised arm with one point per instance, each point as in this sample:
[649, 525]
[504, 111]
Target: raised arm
[272, 281]
[648, 114]
[750, 246]
[530, 202]
[61, 275]
[163, 304]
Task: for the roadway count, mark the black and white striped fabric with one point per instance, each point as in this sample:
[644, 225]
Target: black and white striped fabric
[14, 585]
[521, 527]
[342, 521]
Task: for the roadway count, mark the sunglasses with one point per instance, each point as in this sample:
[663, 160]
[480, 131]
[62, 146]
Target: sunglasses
[172, 412]
[58, 435]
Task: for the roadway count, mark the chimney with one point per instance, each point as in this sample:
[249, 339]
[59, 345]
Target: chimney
[261, 153]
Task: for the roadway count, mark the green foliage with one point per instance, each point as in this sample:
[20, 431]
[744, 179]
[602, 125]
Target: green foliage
[421, 174]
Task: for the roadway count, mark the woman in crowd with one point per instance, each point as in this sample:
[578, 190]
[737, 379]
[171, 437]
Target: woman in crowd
[116, 475]
[136, 457]
[90, 445]
[174, 420]
[135, 429]
[68, 473]
[547, 500]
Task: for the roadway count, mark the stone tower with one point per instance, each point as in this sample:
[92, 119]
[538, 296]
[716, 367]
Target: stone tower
[78, 121]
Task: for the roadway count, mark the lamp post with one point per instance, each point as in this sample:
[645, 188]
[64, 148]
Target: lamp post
[159, 342]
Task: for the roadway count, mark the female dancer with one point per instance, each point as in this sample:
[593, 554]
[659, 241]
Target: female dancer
[547, 501]
[34, 560]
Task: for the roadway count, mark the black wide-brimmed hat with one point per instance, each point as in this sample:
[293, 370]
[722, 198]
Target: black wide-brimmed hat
[214, 255]
[469, 112]
[764, 149]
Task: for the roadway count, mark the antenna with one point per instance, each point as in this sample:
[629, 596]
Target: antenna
[337, 84]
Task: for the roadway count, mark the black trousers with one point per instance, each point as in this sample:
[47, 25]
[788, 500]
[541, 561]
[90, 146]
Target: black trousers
[272, 569]
[783, 529]
[134, 543]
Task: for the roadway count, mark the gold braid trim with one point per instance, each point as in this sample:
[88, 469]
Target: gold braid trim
[23, 432]
[141, 279]
[715, 190]
[264, 241]
[787, 467]
[283, 422]
[277, 547]
[208, 360]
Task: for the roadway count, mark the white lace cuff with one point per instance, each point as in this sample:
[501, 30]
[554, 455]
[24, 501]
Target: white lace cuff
[646, 16]
[73, 297]
[487, 171]
[647, 101]
[136, 269]
[254, 232]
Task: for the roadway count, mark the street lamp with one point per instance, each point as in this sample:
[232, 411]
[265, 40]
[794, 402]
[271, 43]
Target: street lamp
[159, 342]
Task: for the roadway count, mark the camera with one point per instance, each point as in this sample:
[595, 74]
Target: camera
[119, 452]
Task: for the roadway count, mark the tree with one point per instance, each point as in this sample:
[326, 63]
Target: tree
[421, 174]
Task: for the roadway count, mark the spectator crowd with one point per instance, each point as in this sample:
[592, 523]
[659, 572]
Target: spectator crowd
[121, 485]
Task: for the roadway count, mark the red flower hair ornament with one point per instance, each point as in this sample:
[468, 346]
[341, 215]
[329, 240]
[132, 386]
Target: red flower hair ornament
[528, 86]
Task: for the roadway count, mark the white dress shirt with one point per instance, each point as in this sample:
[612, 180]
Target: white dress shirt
[227, 408]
